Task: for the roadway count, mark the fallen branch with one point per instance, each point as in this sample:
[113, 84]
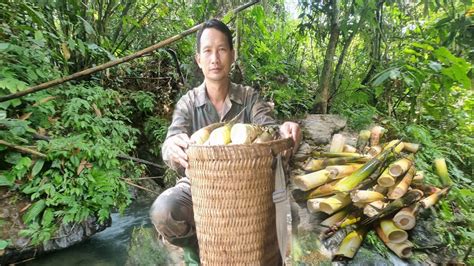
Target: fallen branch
[138, 160]
[112, 63]
[23, 149]
[42, 155]
[140, 187]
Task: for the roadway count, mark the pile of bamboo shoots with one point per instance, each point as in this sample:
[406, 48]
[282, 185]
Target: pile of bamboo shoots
[373, 185]
[234, 133]
[239, 133]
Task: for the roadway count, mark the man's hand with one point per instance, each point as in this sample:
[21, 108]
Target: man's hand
[176, 146]
[291, 130]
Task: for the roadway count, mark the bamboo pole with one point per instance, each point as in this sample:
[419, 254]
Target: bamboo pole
[112, 63]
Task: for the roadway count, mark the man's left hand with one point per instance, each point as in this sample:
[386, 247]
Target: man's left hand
[291, 130]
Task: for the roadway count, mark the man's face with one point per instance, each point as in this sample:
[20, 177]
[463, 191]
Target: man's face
[215, 56]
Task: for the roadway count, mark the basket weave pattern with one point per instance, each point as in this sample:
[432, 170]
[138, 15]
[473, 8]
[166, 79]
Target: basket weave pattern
[234, 213]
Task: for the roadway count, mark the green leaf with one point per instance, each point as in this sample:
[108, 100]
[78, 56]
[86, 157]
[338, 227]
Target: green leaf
[3, 244]
[48, 217]
[87, 26]
[3, 114]
[4, 46]
[34, 210]
[5, 181]
[37, 167]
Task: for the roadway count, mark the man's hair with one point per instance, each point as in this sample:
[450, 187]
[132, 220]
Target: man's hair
[215, 24]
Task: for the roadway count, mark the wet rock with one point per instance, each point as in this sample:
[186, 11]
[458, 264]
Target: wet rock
[146, 249]
[71, 234]
[318, 129]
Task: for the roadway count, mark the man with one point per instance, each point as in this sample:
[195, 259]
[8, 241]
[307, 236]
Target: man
[217, 99]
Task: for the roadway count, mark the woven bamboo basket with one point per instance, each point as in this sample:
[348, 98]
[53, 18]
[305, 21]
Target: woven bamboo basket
[232, 188]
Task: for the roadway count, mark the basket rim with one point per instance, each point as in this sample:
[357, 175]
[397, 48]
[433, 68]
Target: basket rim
[276, 146]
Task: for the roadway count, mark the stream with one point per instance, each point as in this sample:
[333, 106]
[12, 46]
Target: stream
[109, 247]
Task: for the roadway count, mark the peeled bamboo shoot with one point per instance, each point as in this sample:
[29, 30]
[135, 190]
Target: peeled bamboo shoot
[411, 147]
[365, 196]
[401, 166]
[349, 148]
[418, 178]
[374, 208]
[402, 250]
[402, 187]
[405, 219]
[376, 134]
[244, 133]
[434, 198]
[313, 205]
[202, 135]
[220, 135]
[340, 171]
[334, 203]
[374, 151]
[393, 233]
[385, 179]
[337, 143]
[312, 180]
[324, 190]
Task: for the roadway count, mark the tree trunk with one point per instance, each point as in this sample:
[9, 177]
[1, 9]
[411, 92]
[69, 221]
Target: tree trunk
[337, 72]
[327, 71]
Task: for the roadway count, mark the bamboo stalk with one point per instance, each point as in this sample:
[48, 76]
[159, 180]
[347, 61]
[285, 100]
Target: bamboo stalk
[112, 63]
[402, 250]
[396, 144]
[374, 208]
[401, 166]
[318, 154]
[411, 147]
[376, 134]
[349, 148]
[324, 190]
[434, 198]
[442, 171]
[335, 218]
[349, 182]
[351, 243]
[393, 233]
[311, 180]
[318, 164]
[362, 140]
[334, 203]
[427, 189]
[337, 143]
[365, 196]
[405, 218]
[402, 187]
[351, 219]
[409, 198]
[340, 171]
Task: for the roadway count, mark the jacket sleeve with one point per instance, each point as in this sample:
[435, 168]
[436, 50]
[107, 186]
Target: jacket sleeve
[180, 124]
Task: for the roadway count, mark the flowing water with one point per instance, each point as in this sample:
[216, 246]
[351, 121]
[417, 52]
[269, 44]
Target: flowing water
[109, 247]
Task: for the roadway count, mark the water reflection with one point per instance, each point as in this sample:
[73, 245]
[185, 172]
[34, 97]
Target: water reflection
[109, 247]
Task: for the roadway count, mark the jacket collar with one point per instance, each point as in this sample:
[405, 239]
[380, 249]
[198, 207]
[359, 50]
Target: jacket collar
[235, 95]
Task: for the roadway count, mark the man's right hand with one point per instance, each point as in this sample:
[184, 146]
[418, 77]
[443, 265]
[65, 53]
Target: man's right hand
[176, 146]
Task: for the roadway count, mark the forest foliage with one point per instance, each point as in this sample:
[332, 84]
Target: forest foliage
[406, 65]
